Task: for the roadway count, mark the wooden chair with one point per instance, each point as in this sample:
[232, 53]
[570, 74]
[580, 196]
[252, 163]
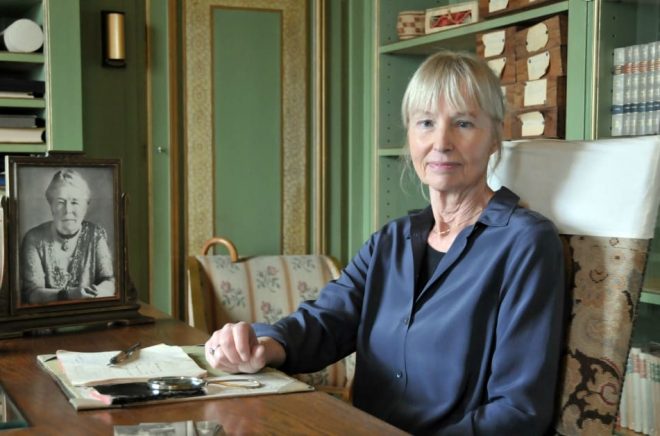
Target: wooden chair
[603, 196]
[226, 288]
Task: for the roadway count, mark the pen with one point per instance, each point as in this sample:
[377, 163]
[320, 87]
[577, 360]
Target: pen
[125, 355]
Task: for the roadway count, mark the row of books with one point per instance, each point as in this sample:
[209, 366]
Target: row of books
[22, 129]
[639, 409]
[18, 87]
[636, 90]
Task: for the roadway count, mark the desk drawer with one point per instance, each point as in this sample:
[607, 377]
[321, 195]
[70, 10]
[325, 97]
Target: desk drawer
[504, 68]
[501, 42]
[546, 123]
[534, 94]
[548, 63]
[492, 8]
[549, 33]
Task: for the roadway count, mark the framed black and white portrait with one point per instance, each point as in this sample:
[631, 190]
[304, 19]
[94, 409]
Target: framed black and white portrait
[66, 247]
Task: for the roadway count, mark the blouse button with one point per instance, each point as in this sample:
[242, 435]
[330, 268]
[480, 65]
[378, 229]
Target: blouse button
[406, 321]
[399, 374]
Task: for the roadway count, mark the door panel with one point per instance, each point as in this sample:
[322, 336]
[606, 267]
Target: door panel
[246, 124]
[248, 128]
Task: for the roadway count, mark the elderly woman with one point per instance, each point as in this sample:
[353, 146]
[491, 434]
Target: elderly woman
[67, 258]
[456, 311]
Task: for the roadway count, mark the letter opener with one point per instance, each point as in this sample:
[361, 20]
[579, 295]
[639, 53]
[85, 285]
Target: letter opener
[125, 355]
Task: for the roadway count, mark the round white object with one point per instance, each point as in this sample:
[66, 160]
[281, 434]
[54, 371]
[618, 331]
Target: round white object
[23, 36]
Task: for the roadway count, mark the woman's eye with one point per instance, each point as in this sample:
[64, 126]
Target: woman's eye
[464, 124]
[425, 123]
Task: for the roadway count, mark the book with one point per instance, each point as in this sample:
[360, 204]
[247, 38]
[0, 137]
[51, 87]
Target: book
[89, 369]
[12, 84]
[21, 121]
[34, 135]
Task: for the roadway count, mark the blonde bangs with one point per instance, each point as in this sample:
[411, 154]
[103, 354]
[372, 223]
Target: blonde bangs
[461, 82]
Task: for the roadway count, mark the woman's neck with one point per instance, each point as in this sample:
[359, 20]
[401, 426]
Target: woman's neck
[451, 207]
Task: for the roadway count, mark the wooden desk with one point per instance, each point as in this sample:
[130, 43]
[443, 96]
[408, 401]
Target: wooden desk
[48, 412]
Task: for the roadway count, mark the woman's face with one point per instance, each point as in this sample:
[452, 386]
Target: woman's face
[450, 149]
[69, 207]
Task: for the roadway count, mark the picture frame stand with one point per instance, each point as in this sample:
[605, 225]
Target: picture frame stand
[17, 324]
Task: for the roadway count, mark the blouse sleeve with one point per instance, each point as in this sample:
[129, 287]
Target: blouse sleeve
[321, 332]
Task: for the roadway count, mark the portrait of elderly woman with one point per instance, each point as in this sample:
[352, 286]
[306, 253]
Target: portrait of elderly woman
[67, 256]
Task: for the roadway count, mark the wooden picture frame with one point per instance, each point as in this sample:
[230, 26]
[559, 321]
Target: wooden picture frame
[65, 245]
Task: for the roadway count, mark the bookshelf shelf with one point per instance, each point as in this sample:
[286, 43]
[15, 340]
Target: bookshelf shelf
[57, 64]
[22, 148]
[29, 58]
[39, 103]
[463, 37]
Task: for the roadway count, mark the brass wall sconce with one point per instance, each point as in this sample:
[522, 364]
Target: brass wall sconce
[114, 39]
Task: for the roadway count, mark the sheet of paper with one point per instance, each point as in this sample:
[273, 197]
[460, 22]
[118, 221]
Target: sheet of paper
[497, 65]
[537, 65]
[536, 92]
[494, 43]
[87, 369]
[497, 5]
[533, 123]
[537, 37]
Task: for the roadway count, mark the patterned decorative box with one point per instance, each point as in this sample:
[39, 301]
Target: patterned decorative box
[545, 35]
[410, 24]
[548, 63]
[447, 17]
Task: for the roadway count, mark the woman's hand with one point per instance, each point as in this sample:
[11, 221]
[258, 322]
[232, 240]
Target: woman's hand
[76, 293]
[236, 348]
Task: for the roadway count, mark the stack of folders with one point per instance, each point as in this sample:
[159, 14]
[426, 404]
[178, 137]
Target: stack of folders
[636, 90]
[18, 127]
[22, 128]
[639, 409]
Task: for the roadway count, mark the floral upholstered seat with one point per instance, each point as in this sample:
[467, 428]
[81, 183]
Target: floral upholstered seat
[224, 288]
[603, 197]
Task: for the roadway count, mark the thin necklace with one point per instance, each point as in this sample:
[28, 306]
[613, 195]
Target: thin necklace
[449, 228]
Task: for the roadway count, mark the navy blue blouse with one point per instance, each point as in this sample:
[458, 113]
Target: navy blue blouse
[477, 352]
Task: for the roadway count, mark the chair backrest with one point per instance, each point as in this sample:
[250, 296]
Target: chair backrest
[603, 196]
[226, 288]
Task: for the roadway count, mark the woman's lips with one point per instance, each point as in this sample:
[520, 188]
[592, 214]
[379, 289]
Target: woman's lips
[443, 166]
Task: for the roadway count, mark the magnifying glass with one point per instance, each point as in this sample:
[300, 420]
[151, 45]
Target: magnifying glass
[169, 384]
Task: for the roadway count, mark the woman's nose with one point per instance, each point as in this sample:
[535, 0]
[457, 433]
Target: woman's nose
[442, 140]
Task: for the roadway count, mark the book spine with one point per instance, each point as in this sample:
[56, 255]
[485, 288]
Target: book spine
[627, 91]
[617, 91]
[656, 89]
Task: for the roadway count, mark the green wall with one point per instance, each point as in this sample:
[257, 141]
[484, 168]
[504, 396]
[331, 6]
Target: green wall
[247, 99]
[115, 120]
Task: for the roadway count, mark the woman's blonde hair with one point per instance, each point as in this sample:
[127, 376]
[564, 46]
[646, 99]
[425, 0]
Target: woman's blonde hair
[461, 80]
[67, 177]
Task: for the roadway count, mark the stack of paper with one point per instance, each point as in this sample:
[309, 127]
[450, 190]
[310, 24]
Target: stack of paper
[89, 369]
